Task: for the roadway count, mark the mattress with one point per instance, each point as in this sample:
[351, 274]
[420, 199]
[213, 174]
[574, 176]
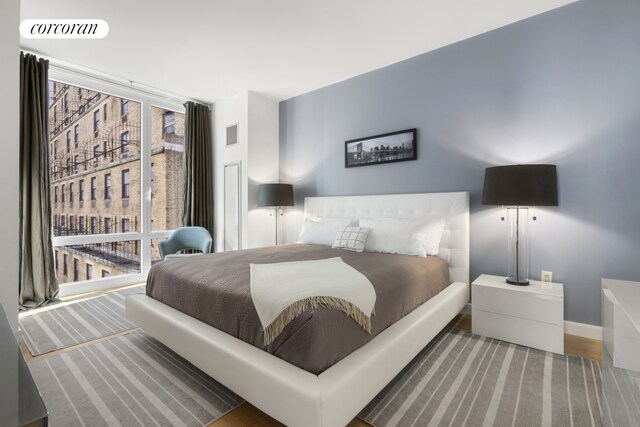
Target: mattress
[215, 289]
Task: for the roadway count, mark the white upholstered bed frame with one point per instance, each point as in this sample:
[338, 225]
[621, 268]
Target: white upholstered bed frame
[292, 395]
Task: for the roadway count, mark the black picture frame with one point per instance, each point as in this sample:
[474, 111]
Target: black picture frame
[366, 151]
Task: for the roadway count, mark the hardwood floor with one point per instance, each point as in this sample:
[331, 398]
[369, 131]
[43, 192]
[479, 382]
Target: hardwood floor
[247, 415]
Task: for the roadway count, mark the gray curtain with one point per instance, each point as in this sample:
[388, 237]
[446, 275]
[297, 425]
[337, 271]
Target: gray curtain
[38, 284]
[198, 195]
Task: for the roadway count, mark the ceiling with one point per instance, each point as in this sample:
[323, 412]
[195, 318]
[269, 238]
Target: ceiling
[210, 49]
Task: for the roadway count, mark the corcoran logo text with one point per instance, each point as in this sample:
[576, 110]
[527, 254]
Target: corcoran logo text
[64, 29]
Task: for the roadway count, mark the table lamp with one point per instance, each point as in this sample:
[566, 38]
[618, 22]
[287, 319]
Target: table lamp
[275, 196]
[519, 187]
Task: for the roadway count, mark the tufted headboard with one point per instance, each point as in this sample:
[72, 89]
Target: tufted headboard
[454, 207]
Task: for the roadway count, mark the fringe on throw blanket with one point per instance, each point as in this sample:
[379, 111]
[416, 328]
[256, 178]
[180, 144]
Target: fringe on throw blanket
[276, 327]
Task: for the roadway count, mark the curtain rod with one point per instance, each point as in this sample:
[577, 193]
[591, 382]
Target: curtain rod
[111, 79]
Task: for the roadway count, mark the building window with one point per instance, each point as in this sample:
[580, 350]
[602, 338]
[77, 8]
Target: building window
[105, 273]
[55, 148]
[125, 184]
[124, 142]
[76, 137]
[55, 117]
[96, 122]
[55, 194]
[104, 113]
[71, 192]
[94, 187]
[76, 161]
[107, 225]
[76, 269]
[96, 152]
[89, 272]
[168, 123]
[65, 102]
[62, 221]
[125, 225]
[81, 224]
[72, 223]
[124, 109]
[107, 186]
[69, 140]
[104, 149]
[65, 259]
[80, 94]
[68, 166]
[81, 190]
[94, 225]
[62, 193]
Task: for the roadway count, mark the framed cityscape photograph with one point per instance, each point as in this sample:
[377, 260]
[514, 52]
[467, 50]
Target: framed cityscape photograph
[378, 149]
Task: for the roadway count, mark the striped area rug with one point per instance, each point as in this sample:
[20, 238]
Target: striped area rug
[462, 379]
[69, 323]
[131, 380]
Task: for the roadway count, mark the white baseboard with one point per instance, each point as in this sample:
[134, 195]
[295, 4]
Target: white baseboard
[583, 330]
[572, 328]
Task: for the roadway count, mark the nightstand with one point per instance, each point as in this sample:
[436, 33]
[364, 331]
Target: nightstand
[528, 315]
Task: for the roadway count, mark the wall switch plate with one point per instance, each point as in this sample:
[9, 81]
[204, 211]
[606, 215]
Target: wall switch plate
[546, 276]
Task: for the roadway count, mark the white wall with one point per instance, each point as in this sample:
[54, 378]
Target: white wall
[263, 166]
[258, 152]
[9, 115]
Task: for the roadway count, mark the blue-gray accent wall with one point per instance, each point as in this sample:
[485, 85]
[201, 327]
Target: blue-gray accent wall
[562, 87]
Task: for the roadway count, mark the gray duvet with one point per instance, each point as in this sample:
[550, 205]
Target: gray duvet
[214, 289]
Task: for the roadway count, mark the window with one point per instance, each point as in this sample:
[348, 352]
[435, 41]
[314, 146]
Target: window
[94, 225]
[71, 192]
[168, 123]
[76, 162]
[107, 225]
[96, 122]
[104, 149]
[76, 137]
[68, 166]
[105, 273]
[107, 186]
[96, 152]
[89, 272]
[55, 117]
[55, 194]
[125, 225]
[72, 223]
[55, 149]
[64, 265]
[62, 193]
[69, 140]
[125, 184]
[124, 108]
[81, 224]
[62, 221]
[81, 190]
[124, 142]
[80, 94]
[94, 187]
[65, 102]
[104, 115]
[76, 269]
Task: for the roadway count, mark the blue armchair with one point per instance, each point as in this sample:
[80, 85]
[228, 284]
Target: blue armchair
[186, 238]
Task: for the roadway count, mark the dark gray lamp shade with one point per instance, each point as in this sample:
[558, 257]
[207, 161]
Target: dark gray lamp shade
[521, 185]
[270, 195]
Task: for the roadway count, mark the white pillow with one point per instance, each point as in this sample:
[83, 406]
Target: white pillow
[404, 236]
[322, 231]
[351, 238]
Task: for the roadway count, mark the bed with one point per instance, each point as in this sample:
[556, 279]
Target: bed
[330, 391]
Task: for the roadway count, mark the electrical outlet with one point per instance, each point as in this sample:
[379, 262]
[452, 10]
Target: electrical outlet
[546, 276]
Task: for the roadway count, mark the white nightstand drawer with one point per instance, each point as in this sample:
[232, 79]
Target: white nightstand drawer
[540, 308]
[543, 336]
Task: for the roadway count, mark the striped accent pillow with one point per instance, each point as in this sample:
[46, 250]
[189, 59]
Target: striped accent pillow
[351, 238]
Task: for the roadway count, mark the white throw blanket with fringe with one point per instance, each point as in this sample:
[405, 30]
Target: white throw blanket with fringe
[283, 291]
